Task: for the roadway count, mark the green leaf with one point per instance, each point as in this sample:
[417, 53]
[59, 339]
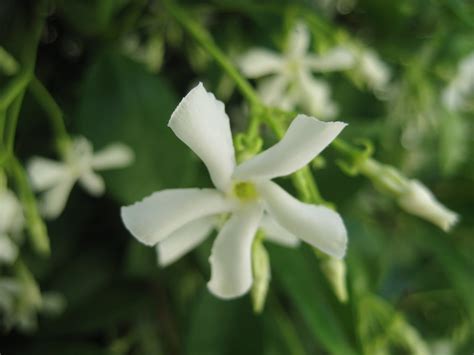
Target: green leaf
[454, 142]
[65, 347]
[220, 327]
[298, 274]
[99, 14]
[122, 102]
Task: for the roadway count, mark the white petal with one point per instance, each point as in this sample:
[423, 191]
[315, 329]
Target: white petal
[258, 62]
[306, 137]
[276, 233]
[201, 122]
[116, 155]
[8, 250]
[11, 212]
[54, 200]
[272, 90]
[316, 225]
[315, 96]
[298, 41]
[45, 173]
[164, 212]
[338, 58]
[231, 256]
[184, 240]
[92, 183]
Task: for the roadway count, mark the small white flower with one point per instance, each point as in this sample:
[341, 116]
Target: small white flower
[56, 179]
[11, 223]
[459, 94]
[11, 213]
[8, 250]
[418, 200]
[291, 82]
[178, 220]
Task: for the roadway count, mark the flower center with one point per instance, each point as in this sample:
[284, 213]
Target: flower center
[245, 191]
[293, 65]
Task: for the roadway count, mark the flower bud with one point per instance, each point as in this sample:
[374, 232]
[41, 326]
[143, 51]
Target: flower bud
[418, 200]
[335, 272]
[261, 274]
[411, 195]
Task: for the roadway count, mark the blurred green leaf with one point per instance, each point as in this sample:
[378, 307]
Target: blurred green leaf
[221, 327]
[66, 348]
[454, 135]
[299, 280]
[121, 101]
[99, 14]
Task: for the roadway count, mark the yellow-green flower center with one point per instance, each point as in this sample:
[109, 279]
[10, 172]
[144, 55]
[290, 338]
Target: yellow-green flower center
[245, 191]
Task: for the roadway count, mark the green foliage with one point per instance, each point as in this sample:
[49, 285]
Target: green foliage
[120, 101]
[410, 285]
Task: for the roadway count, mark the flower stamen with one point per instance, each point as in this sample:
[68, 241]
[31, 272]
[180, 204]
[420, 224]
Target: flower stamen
[245, 191]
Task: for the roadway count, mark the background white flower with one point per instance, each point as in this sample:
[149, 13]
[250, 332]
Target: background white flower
[459, 94]
[290, 80]
[11, 223]
[56, 179]
[179, 219]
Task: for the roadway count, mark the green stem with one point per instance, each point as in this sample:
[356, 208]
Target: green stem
[13, 96]
[36, 226]
[52, 109]
[3, 119]
[16, 86]
[13, 113]
[303, 179]
[201, 36]
[345, 148]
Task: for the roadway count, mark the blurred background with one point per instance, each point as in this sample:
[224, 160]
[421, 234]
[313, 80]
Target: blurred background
[118, 68]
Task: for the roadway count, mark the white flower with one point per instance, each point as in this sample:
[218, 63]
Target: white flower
[11, 213]
[8, 250]
[56, 179]
[177, 220]
[459, 94]
[11, 223]
[418, 200]
[291, 82]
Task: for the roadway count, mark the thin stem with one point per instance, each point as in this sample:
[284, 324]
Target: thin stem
[13, 113]
[53, 111]
[202, 37]
[36, 226]
[14, 95]
[3, 120]
[14, 88]
[345, 148]
[303, 179]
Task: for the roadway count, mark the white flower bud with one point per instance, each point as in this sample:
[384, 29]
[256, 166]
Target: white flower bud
[261, 275]
[418, 200]
[335, 272]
